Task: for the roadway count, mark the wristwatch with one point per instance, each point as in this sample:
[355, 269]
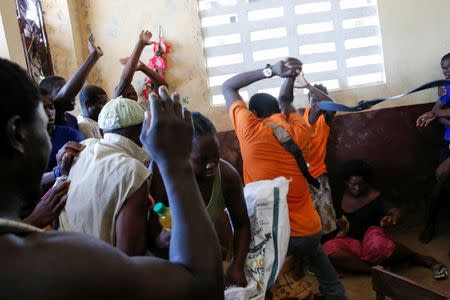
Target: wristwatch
[267, 71]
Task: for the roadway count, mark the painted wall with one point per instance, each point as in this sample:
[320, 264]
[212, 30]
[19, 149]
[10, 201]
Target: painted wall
[413, 34]
[117, 34]
[61, 36]
[10, 41]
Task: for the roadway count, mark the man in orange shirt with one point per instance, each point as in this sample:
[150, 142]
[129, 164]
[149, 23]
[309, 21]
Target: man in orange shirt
[265, 158]
[319, 122]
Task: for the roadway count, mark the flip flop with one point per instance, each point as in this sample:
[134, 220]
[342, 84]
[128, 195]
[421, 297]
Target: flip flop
[439, 272]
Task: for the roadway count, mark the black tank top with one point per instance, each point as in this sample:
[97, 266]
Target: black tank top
[367, 216]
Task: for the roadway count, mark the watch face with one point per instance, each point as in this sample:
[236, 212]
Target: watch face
[267, 72]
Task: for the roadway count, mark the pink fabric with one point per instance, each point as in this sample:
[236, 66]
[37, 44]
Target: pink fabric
[375, 248]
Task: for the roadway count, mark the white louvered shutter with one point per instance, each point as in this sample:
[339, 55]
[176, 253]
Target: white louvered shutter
[337, 40]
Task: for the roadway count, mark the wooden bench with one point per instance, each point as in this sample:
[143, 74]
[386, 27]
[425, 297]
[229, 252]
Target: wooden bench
[387, 284]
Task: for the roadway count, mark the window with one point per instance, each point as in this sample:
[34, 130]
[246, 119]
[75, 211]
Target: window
[337, 40]
[34, 39]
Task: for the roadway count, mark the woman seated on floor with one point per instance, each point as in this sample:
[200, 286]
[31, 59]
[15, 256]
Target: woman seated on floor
[362, 240]
[221, 187]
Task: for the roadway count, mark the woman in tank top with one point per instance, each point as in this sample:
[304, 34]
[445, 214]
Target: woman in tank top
[221, 187]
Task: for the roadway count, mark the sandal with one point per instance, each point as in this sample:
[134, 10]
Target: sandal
[439, 272]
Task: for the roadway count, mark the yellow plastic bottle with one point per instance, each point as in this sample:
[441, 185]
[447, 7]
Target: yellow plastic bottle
[164, 215]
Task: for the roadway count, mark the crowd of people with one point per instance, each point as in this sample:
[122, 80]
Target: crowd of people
[85, 201]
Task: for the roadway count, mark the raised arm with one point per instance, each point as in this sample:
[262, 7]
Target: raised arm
[286, 97]
[302, 83]
[152, 75]
[130, 67]
[149, 72]
[76, 82]
[192, 232]
[288, 67]
[231, 87]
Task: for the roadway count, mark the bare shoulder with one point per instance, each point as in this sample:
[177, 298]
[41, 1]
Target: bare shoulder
[74, 266]
[229, 173]
[58, 264]
[232, 184]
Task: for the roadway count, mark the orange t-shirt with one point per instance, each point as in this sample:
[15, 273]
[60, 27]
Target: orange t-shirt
[265, 159]
[318, 147]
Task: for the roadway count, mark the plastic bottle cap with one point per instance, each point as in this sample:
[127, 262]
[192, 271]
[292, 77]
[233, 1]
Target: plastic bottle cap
[159, 208]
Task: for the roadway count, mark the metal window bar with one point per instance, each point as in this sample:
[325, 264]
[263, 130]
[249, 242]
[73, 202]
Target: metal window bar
[34, 39]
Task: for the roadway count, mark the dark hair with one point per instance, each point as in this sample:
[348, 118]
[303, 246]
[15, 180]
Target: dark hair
[445, 57]
[19, 96]
[202, 125]
[320, 87]
[49, 82]
[264, 105]
[357, 167]
[43, 92]
[90, 92]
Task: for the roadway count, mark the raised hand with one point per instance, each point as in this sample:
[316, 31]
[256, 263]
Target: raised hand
[167, 134]
[93, 49]
[300, 81]
[425, 119]
[50, 206]
[140, 64]
[145, 37]
[288, 67]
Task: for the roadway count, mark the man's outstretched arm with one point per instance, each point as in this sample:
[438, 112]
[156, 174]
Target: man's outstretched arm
[130, 67]
[286, 97]
[288, 67]
[231, 87]
[76, 82]
[157, 80]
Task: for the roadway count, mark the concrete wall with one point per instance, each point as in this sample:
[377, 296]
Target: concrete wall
[62, 36]
[10, 40]
[413, 34]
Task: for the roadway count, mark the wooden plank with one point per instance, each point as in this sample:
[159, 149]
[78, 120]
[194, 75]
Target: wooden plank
[400, 288]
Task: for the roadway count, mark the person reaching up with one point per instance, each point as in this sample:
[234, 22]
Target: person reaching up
[319, 123]
[125, 88]
[265, 158]
[157, 80]
[64, 92]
